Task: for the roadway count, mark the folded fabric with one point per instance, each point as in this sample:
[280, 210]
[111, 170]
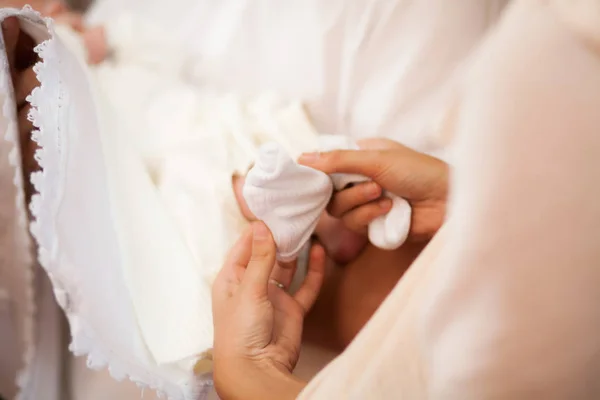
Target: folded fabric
[371, 86]
[155, 157]
[290, 199]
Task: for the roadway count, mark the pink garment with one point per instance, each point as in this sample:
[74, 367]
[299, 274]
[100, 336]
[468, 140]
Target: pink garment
[504, 302]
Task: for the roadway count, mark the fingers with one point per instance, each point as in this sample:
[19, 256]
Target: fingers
[347, 199]
[24, 83]
[234, 267]
[309, 291]
[262, 259]
[284, 272]
[359, 219]
[381, 166]
[363, 162]
[400, 170]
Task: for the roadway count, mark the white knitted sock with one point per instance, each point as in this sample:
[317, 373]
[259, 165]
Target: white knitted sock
[288, 197]
[389, 231]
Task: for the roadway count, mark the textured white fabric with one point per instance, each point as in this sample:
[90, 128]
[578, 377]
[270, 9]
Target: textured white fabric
[288, 197]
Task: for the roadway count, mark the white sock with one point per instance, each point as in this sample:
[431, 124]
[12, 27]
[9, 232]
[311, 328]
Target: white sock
[289, 198]
[389, 231]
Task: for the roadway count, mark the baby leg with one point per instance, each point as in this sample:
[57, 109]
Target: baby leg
[341, 244]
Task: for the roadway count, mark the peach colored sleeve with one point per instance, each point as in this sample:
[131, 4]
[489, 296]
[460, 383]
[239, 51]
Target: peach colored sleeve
[505, 301]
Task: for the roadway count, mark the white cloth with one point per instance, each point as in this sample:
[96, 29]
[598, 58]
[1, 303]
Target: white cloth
[503, 303]
[367, 69]
[364, 69]
[162, 166]
[290, 198]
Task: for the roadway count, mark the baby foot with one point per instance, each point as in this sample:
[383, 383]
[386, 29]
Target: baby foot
[341, 244]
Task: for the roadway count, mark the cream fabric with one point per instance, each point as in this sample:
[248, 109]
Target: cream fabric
[363, 68]
[503, 304]
[166, 152]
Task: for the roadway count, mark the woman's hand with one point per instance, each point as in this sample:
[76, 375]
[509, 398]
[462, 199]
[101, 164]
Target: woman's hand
[420, 179]
[258, 324]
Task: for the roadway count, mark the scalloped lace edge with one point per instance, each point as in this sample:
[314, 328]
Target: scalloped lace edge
[43, 229]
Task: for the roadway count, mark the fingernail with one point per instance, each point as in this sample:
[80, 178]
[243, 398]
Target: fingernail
[373, 190]
[385, 203]
[260, 231]
[309, 157]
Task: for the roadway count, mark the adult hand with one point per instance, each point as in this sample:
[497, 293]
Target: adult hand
[258, 324]
[420, 179]
[22, 58]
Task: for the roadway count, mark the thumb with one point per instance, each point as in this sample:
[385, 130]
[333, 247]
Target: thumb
[262, 259]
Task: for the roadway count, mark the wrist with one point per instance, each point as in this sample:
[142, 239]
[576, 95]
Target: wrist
[253, 380]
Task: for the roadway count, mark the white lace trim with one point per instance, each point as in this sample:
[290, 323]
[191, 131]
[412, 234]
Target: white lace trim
[47, 102]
